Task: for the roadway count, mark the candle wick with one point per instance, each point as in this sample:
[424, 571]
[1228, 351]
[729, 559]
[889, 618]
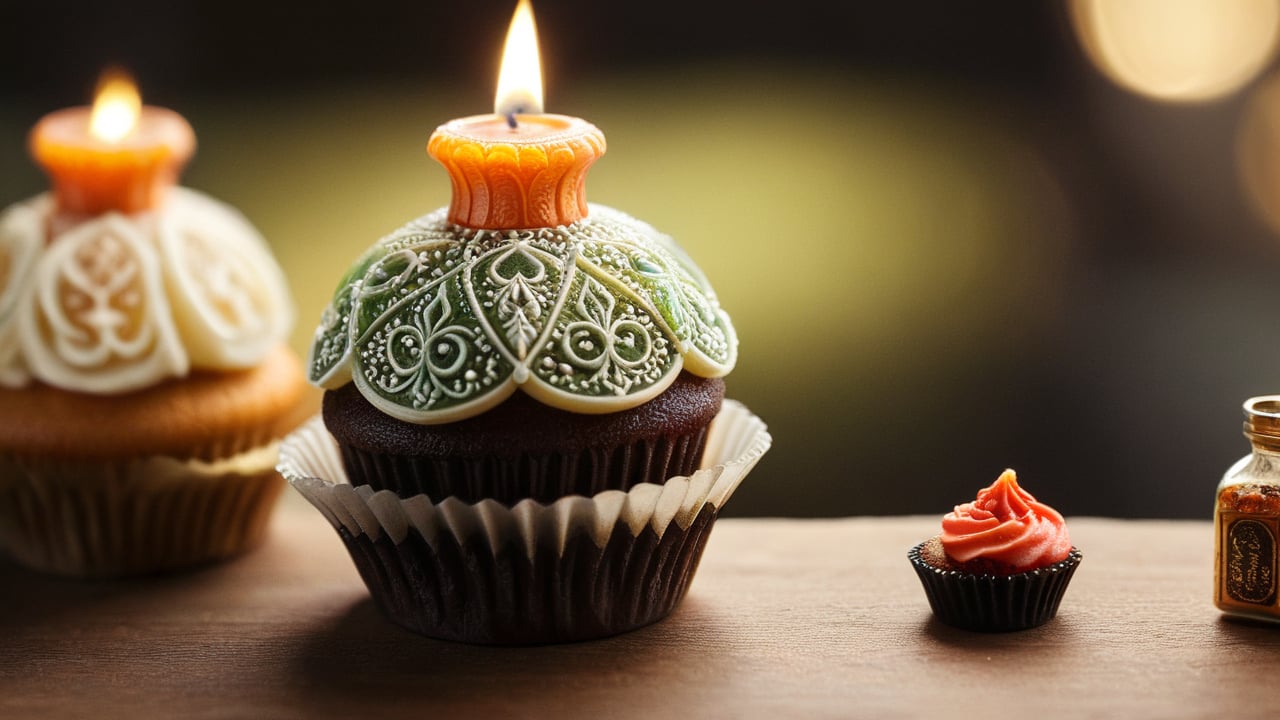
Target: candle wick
[511, 119]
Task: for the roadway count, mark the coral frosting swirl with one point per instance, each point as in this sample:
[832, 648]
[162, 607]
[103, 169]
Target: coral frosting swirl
[1005, 524]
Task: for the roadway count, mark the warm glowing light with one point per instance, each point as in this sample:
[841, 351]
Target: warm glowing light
[116, 107]
[520, 79]
[1258, 150]
[1179, 50]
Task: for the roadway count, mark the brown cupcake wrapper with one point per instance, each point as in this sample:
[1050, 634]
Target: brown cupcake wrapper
[132, 517]
[995, 603]
[543, 478]
[577, 568]
[580, 592]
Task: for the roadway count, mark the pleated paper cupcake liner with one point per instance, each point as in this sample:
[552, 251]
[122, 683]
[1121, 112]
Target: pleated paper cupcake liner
[574, 569]
[992, 603]
[132, 517]
[544, 477]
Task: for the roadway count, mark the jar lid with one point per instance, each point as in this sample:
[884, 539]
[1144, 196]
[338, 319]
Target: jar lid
[1262, 421]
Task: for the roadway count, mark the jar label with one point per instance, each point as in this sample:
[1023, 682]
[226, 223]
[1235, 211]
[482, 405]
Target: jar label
[1249, 562]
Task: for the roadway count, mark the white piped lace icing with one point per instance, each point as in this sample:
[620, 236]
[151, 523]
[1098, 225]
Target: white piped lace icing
[438, 323]
[122, 302]
[21, 235]
[229, 296]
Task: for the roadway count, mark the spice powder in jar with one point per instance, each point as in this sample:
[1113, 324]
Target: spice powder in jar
[1247, 519]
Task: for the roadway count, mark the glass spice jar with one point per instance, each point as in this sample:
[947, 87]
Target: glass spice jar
[1246, 519]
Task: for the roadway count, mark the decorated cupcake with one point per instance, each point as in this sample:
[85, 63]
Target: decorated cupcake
[526, 437]
[1001, 563]
[144, 383]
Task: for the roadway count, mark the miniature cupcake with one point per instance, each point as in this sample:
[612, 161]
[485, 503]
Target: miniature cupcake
[1001, 563]
[144, 383]
[527, 440]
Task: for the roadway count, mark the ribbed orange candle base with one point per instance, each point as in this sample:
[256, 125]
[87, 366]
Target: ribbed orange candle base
[529, 176]
[91, 176]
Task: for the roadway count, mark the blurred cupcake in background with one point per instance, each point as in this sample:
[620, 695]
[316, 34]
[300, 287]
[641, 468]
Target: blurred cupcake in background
[144, 379]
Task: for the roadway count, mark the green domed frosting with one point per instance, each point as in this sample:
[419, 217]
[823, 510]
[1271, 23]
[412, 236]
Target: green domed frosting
[438, 322]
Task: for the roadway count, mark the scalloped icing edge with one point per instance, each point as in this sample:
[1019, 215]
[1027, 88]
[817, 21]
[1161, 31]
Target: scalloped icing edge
[310, 461]
[689, 357]
[210, 340]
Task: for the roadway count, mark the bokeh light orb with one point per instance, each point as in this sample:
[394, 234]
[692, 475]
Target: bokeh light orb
[1258, 150]
[1178, 50]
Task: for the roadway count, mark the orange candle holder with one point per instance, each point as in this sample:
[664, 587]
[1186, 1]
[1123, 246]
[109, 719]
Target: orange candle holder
[528, 171]
[91, 175]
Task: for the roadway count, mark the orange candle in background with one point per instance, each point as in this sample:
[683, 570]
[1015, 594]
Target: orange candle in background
[114, 156]
[517, 168]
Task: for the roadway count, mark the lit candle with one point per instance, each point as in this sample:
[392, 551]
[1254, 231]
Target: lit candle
[517, 168]
[116, 155]
[518, 284]
[119, 279]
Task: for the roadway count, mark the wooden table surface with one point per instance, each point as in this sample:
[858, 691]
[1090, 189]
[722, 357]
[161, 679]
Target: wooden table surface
[787, 618]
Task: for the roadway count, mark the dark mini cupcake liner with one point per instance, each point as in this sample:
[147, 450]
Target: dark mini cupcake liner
[575, 569]
[994, 603]
[541, 477]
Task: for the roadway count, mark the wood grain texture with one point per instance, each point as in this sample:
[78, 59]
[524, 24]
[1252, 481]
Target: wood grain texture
[787, 618]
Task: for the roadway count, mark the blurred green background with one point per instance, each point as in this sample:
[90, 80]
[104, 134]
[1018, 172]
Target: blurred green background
[950, 244]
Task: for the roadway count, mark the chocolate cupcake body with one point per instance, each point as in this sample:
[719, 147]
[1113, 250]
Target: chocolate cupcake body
[574, 569]
[523, 405]
[524, 449]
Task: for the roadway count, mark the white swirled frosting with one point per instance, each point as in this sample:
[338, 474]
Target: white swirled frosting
[121, 302]
[436, 322]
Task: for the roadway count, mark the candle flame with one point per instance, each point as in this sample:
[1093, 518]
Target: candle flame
[520, 79]
[116, 107]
